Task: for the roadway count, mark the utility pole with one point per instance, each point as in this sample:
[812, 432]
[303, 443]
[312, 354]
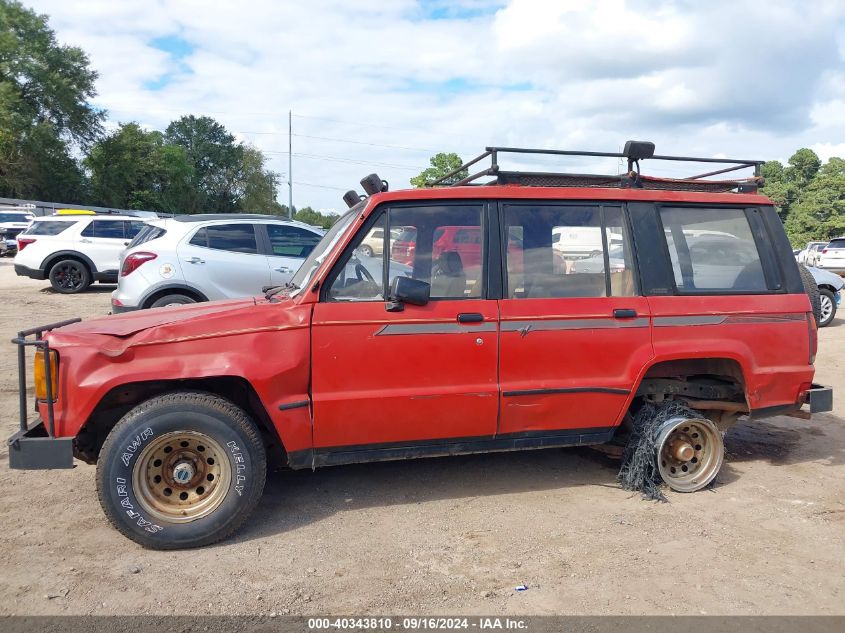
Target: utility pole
[290, 165]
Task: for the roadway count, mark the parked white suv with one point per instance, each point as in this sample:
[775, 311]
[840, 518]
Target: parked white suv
[832, 256]
[193, 258]
[72, 251]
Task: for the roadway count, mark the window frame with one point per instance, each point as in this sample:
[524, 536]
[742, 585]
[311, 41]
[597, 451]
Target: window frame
[384, 210]
[265, 242]
[256, 233]
[601, 205]
[761, 233]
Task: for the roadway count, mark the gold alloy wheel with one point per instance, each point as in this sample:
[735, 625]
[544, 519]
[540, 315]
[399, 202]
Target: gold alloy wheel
[689, 453]
[181, 476]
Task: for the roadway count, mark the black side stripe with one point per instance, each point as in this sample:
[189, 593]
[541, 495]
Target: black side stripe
[293, 405]
[541, 392]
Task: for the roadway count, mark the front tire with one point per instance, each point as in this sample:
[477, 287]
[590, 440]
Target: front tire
[69, 276]
[827, 303]
[181, 470]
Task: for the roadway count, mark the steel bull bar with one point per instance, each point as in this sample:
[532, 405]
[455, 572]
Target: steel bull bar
[37, 447]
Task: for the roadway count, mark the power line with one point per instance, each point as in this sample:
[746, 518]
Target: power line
[311, 184]
[342, 140]
[345, 160]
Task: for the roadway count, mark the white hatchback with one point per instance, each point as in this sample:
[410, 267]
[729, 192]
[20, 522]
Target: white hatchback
[204, 257]
[832, 257]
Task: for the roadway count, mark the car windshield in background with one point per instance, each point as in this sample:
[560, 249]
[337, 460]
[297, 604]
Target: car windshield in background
[15, 217]
[47, 227]
[318, 255]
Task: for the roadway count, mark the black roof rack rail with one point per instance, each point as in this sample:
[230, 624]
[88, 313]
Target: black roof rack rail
[634, 152]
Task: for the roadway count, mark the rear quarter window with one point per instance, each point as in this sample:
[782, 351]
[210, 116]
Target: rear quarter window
[47, 227]
[712, 250]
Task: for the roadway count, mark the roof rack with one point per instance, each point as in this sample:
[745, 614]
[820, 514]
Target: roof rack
[634, 152]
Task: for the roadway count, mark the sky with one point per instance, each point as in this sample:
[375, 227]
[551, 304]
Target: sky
[382, 85]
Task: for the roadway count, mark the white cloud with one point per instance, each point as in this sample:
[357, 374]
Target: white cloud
[735, 78]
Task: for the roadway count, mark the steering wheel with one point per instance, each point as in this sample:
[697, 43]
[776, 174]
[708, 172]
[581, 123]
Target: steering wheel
[363, 274]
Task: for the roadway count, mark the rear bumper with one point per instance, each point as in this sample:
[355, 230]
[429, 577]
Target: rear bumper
[819, 398]
[26, 271]
[34, 449]
[116, 309]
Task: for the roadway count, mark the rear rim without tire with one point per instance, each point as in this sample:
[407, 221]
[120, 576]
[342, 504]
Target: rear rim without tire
[68, 276]
[826, 308]
[182, 476]
[689, 453]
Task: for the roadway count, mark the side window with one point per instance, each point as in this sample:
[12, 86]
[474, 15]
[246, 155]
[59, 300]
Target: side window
[441, 245]
[561, 251]
[238, 238]
[362, 277]
[132, 228]
[200, 238]
[111, 229]
[712, 249]
[291, 241]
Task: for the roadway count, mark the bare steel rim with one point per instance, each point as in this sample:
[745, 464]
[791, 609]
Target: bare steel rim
[826, 305]
[689, 453]
[181, 476]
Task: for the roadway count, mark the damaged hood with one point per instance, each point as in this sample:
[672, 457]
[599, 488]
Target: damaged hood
[115, 333]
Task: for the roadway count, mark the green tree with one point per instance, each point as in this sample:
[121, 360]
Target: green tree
[45, 112]
[259, 186]
[135, 169]
[803, 167]
[228, 177]
[441, 164]
[314, 218]
[820, 212]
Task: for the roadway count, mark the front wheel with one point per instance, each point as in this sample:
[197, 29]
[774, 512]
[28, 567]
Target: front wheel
[827, 307]
[181, 470]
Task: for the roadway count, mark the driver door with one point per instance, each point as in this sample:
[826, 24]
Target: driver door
[420, 374]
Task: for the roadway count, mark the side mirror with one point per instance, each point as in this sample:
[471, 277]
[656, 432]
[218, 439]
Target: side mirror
[406, 290]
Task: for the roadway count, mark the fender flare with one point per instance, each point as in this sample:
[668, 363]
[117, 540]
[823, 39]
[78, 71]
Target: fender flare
[52, 257]
[175, 287]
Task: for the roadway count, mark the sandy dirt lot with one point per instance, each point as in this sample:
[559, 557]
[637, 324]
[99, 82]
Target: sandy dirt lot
[450, 535]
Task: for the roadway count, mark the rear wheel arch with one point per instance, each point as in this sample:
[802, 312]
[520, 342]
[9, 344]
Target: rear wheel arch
[121, 399]
[55, 258]
[195, 294]
[697, 379]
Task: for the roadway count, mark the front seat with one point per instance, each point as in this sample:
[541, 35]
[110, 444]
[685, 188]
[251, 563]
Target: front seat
[448, 277]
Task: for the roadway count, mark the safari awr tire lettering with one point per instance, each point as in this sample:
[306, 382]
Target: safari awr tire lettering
[181, 470]
[539, 310]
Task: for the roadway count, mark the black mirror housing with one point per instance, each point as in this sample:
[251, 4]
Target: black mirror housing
[411, 291]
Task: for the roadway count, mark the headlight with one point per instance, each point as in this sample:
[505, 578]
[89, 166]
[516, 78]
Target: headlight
[41, 374]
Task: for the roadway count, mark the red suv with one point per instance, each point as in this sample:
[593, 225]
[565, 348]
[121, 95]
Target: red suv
[494, 343]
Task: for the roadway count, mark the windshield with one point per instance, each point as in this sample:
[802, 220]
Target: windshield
[317, 256]
[15, 217]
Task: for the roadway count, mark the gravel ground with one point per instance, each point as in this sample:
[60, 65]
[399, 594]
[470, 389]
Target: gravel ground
[449, 535]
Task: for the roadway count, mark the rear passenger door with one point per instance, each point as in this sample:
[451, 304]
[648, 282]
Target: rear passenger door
[288, 246]
[103, 241]
[223, 261]
[574, 331]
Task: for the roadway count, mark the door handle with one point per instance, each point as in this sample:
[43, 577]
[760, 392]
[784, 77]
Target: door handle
[85, 241]
[624, 313]
[470, 317]
[283, 269]
[195, 260]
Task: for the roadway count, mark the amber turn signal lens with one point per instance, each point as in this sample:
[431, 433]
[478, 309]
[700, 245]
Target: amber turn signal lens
[41, 374]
